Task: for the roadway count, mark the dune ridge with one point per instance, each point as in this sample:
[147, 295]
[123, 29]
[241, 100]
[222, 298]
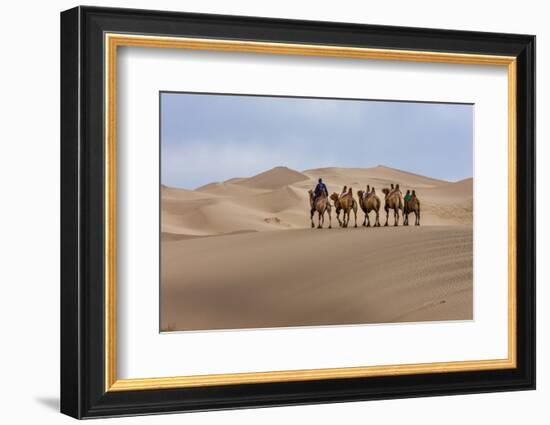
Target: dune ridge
[273, 179]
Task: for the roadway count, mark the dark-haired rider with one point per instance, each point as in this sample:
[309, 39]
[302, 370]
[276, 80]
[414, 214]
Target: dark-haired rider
[320, 189]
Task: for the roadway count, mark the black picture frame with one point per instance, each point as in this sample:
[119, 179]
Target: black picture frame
[83, 392]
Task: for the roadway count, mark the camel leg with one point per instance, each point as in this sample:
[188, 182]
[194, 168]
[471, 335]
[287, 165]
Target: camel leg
[365, 220]
[319, 226]
[338, 217]
[417, 218]
[355, 214]
[377, 222]
[368, 219]
[396, 217]
[387, 215]
[329, 219]
[311, 217]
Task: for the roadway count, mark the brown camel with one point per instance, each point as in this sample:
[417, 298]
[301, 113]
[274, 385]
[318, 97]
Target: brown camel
[345, 203]
[393, 200]
[369, 202]
[322, 206]
[412, 206]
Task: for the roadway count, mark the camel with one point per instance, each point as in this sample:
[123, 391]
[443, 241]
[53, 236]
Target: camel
[393, 200]
[412, 205]
[369, 202]
[322, 206]
[345, 203]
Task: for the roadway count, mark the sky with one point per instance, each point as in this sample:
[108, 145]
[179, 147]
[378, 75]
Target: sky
[208, 138]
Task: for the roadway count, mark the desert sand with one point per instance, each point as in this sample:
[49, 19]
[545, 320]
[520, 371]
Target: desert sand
[241, 254]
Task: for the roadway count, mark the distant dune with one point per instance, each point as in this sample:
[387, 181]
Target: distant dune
[241, 254]
[273, 179]
[227, 189]
[381, 174]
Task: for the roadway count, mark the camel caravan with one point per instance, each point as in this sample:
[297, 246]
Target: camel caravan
[368, 201]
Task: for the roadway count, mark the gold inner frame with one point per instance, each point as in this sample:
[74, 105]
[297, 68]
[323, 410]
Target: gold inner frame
[113, 41]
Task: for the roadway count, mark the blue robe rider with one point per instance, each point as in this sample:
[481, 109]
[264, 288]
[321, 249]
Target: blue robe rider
[319, 190]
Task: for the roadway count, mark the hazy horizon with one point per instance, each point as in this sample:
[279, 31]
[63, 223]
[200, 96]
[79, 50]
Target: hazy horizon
[207, 138]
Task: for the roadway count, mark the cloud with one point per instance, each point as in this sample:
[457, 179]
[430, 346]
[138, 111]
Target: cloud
[196, 163]
[208, 138]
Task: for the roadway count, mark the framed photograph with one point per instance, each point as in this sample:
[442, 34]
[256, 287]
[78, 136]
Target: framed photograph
[261, 212]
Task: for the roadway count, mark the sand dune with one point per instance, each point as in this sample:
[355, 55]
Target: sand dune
[317, 277]
[452, 202]
[241, 254]
[284, 198]
[177, 194]
[228, 189]
[379, 173]
[273, 179]
[458, 191]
